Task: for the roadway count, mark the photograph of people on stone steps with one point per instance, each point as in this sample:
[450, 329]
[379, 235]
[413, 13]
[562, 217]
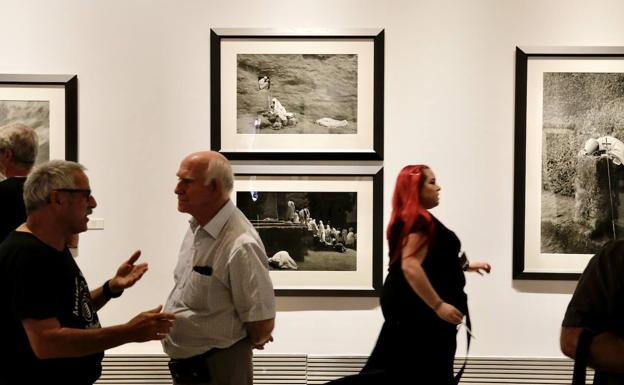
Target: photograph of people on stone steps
[304, 230]
[297, 93]
[582, 197]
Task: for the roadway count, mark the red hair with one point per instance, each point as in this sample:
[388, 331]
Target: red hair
[407, 210]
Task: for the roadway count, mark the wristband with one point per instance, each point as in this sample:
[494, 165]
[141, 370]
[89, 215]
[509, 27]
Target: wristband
[108, 293]
[463, 259]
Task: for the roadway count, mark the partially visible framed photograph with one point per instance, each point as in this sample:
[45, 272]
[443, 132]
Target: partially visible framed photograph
[569, 156]
[49, 105]
[322, 233]
[280, 95]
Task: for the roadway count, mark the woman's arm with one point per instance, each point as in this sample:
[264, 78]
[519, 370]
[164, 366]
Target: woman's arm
[413, 254]
[479, 267]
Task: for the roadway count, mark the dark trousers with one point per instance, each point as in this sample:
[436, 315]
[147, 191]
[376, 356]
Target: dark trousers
[228, 366]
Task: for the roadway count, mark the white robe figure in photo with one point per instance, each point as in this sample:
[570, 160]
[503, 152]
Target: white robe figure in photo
[264, 83]
[280, 111]
[290, 213]
[282, 260]
[321, 231]
[608, 145]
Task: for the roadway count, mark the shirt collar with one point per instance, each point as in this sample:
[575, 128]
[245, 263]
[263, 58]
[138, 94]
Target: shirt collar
[214, 226]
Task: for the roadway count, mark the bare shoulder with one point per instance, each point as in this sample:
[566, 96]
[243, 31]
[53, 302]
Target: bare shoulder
[414, 246]
[415, 238]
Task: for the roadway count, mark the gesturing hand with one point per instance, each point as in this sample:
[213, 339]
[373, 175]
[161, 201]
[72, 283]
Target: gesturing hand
[150, 325]
[449, 313]
[128, 273]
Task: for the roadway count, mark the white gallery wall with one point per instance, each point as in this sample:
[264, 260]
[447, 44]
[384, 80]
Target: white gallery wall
[143, 69]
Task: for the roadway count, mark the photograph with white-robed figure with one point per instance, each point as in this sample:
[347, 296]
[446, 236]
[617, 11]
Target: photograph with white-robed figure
[569, 155]
[323, 234]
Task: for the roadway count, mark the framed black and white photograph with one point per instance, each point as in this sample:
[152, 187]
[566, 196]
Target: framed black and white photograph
[49, 105]
[288, 95]
[569, 158]
[322, 233]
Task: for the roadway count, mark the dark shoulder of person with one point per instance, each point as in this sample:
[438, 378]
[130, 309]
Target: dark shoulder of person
[609, 259]
[12, 209]
[611, 252]
[12, 187]
[22, 249]
[21, 240]
[421, 224]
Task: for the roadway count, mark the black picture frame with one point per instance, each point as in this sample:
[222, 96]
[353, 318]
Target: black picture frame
[366, 285]
[274, 149]
[532, 260]
[69, 110]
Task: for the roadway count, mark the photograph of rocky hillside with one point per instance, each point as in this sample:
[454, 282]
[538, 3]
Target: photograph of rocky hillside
[297, 94]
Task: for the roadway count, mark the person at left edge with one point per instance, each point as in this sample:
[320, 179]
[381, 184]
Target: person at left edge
[18, 152]
[52, 334]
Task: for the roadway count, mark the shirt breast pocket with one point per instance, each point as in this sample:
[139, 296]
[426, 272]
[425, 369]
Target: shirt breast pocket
[201, 292]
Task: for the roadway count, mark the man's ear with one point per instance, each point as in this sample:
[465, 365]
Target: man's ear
[5, 156]
[214, 185]
[54, 197]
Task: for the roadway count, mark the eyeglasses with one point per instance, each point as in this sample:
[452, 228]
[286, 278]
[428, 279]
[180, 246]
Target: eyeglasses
[86, 193]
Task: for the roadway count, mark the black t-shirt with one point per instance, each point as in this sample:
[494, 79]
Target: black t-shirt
[12, 210]
[598, 301]
[39, 282]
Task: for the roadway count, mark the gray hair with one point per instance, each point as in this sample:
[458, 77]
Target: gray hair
[47, 177]
[22, 141]
[221, 170]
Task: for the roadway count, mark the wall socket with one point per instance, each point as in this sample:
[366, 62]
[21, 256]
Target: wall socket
[95, 224]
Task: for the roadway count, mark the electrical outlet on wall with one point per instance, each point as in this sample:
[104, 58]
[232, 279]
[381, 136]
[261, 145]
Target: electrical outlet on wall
[95, 224]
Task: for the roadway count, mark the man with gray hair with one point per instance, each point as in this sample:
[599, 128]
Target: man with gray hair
[18, 151]
[52, 334]
[223, 295]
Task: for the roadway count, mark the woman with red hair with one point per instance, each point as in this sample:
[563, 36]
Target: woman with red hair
[423, 297]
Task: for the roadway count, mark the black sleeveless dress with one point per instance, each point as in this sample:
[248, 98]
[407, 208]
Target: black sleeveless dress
[415, 345]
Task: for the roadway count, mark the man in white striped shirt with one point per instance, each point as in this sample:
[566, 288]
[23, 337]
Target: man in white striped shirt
[223, 295]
